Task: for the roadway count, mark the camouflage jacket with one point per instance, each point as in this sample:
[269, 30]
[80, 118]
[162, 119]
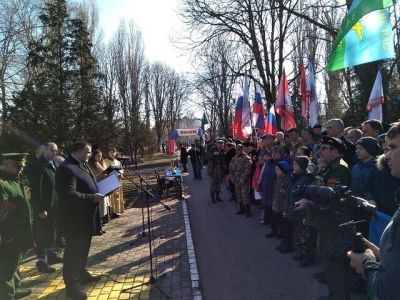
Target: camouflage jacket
[334, 173]
[216, 162]
[240, 169]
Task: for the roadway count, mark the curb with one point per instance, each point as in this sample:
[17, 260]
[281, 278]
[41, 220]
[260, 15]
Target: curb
[194, 273]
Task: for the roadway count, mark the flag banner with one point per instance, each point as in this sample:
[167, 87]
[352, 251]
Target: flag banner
[376, 99]
[312, 94]
[204, 122]
[246, 120]
[283, 105]
[259, 112]
[303, 93]
[237, 123]
[377, 226]
[270, 121]
[369, 39]
[187, 132]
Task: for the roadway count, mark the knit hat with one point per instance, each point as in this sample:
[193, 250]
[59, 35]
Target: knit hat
[370, 145]
[302, 161]
[285, 167]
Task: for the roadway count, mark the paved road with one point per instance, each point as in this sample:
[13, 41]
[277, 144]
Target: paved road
[235, 260]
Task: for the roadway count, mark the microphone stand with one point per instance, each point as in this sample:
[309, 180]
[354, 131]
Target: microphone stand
[152, 281]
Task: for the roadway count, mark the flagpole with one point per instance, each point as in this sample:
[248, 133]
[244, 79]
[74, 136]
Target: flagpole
[397, 34]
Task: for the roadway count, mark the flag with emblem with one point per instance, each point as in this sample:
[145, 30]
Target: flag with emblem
[366, 35]
[376, 99]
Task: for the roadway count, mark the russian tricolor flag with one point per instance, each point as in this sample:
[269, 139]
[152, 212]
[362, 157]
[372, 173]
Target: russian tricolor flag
[270, 121]
[242, 125]
[259, 112]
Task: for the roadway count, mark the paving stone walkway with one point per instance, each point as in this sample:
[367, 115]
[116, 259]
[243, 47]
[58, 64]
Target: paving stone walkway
[123, 260]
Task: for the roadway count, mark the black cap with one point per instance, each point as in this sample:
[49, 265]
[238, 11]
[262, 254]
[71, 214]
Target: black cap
[334, 143]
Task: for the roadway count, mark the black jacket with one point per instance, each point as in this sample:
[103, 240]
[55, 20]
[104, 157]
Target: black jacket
[76, 186]
[42, 182]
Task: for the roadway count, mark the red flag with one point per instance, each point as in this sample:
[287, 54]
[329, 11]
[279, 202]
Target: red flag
[303, 92]
[283, 106]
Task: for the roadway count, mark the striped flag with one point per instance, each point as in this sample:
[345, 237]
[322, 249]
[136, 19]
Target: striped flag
[259, 112]
[303, 93]
[242, 123]
[283, 105]
[312, 94]
[270, 121]
[376, 99]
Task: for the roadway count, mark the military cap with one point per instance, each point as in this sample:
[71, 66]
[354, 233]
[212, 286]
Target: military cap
[220, 141]
[18, 158]
[239, 145]
[334, 143]
[229, 142]
[267, 135]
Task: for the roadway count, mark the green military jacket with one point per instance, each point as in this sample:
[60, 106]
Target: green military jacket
[240, 169]
[15, 214]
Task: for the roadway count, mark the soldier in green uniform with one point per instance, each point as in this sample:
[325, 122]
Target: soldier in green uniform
[333, 243]
[240, 173]
[216, 168]
[15, 226]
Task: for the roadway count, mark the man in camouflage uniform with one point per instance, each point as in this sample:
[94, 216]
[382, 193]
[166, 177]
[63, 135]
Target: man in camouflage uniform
[216, 169]
[240, 173]
[15, 226]
[333, 243]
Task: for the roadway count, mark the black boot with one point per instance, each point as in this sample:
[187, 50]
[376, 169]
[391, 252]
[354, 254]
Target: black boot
[299, 256]
[248, 213]
[217, 196]
[212, 197]
[241, 210]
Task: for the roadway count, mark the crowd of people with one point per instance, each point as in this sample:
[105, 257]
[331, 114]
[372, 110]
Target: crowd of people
[273, 172]
[64, 210]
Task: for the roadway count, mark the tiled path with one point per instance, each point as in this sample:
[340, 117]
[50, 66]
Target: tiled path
[123, 260]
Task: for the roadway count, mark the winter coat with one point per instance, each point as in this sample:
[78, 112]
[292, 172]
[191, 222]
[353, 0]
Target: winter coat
[297, 180]
[281, 193]
[360, 175]
[382, 186]
[267, 182]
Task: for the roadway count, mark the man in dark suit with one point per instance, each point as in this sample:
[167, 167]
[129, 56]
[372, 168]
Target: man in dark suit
[79, 216]
[44, 202]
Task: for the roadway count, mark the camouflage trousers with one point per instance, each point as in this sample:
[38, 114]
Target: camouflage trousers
[335, 264]
[243, 193]
[215, 184]
[306, 238]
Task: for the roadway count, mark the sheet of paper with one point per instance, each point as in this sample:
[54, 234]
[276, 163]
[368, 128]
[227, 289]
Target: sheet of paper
[108, 184]
[257, 195]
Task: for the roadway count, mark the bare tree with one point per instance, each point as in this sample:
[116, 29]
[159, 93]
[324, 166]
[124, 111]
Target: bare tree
[261, 26]
[215, 83]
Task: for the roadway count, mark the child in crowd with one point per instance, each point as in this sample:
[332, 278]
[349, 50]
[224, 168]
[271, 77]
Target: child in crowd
[279, 204]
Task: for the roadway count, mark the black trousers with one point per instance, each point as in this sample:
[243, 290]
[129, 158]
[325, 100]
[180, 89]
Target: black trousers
[75, 258]
[45, 234]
